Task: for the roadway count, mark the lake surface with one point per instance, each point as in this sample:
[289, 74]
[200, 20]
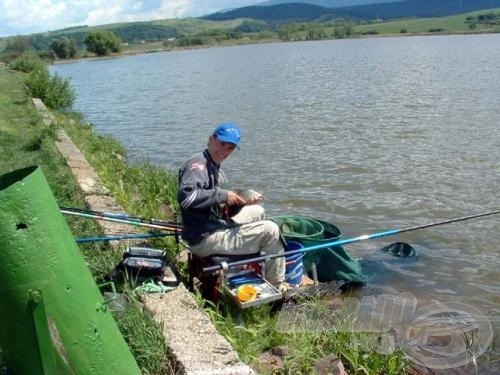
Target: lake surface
[369, 134]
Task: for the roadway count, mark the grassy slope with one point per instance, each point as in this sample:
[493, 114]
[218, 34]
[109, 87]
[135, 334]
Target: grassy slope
[186, 25]
[450, 24]
[25, 141]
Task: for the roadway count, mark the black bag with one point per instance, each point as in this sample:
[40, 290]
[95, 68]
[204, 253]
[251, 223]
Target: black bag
[144, 262]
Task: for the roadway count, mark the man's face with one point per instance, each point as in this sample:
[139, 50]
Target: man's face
[219, 151]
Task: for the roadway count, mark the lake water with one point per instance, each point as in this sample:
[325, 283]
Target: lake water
[369, 134]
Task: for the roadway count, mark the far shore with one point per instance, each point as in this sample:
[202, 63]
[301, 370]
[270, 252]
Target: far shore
[155, 47]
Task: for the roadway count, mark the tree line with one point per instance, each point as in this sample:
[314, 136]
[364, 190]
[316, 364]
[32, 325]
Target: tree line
[98, 42]
[105, 42]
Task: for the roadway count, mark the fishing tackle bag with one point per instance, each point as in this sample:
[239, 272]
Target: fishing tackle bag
[144, 262]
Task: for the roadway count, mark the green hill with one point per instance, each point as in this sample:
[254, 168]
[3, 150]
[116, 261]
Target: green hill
[130, 32]
[479, 21]
[281, 12]
[419, 8]
[329, 3]
[290, 12]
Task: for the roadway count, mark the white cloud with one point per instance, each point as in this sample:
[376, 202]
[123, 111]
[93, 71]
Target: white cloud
[137, 6]
[102, 15]
[31, 16]
[173, 9]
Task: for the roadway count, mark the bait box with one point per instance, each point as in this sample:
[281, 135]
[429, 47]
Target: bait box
[266, 292]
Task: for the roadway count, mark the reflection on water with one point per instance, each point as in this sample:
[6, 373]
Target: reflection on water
[369, 134]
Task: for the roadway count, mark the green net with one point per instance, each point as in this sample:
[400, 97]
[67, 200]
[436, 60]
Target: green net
[332, 263]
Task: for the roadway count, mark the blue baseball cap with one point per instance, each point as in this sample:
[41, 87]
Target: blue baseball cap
[229, 133]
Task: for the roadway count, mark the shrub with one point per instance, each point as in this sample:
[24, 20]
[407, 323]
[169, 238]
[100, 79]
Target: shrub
[64, 47]
[16, 46]
[102, 42]
[250, 27]
[27, 62]
[316, 33]
[187, 41]
[55, 91]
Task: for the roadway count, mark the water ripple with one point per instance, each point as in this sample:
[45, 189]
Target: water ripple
[370, 134]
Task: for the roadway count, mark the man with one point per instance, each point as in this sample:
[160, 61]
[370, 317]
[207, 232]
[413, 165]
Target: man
[206, 209]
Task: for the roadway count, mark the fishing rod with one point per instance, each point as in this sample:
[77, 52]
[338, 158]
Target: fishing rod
[364, 237]
[123, 218]
[121, 215]
[121, 237]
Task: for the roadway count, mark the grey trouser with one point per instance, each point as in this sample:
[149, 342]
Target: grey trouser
[253, 235]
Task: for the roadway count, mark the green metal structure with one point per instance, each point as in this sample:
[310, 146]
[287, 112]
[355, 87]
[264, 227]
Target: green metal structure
[53, 318]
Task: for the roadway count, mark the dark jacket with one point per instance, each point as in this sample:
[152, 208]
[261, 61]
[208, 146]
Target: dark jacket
[201, 197]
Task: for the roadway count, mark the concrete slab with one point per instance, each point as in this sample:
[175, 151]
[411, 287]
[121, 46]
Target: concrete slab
[196, 345]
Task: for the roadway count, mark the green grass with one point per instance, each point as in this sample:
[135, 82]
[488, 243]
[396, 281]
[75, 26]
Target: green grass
[144, 337]
[140, 189]
[450, 24]
[255, 331]
[183, 26]
[25, 141]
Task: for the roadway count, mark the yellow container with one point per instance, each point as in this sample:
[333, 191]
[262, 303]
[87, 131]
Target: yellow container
[246, 293]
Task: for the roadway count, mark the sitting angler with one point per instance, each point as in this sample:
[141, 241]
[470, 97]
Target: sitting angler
[205, 204]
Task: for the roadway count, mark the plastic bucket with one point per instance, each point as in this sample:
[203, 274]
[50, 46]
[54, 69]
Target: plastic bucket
[294, 263]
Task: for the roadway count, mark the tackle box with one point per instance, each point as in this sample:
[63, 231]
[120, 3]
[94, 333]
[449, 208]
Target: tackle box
[147, 262]
[265, 291]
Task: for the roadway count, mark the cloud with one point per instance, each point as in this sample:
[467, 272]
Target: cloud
[102, 15]
[31, 16]
[174, 9]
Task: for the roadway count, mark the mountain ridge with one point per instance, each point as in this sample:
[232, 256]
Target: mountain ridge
[328, 3]
[288, 11]
[384, 11]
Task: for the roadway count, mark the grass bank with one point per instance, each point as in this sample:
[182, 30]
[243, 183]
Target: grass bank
[25, 141]
[306, 337]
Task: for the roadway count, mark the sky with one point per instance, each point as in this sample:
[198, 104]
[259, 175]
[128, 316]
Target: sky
[20, 17]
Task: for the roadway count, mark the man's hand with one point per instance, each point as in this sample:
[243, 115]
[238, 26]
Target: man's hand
[234, 199]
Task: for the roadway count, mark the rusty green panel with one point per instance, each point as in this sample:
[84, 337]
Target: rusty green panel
[39, 255]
